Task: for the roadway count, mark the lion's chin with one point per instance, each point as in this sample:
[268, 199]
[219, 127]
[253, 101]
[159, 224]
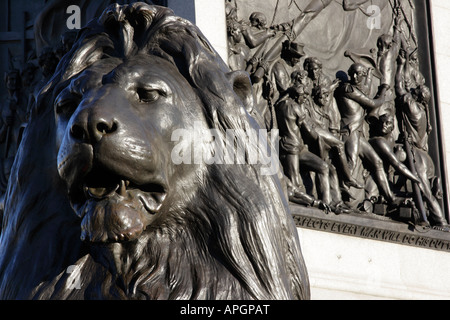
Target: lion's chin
[113, 219]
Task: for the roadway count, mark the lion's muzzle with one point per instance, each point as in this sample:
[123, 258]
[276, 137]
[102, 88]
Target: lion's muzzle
[115, 184]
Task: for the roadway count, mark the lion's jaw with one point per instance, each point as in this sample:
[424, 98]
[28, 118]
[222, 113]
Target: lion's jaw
[114, 204]
[119, 213]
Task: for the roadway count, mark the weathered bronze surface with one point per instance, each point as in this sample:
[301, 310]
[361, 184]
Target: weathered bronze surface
[103, 199]
[350, 87]
[99, 200]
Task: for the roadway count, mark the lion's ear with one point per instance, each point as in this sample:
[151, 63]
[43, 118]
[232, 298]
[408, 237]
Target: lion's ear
[242, 86]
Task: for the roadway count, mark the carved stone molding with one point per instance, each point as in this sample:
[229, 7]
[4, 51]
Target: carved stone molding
[371, 227]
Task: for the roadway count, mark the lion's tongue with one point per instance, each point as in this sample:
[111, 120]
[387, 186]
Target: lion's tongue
[111, 220]
[152, 201]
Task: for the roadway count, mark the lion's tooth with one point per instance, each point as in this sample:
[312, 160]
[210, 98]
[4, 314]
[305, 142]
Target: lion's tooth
[86, 190]
[122, 190]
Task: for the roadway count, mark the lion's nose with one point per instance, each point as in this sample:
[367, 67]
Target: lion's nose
[93, 130]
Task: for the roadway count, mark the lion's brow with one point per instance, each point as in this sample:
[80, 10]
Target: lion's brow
[113, 76]
[120, 75]
[85, 80]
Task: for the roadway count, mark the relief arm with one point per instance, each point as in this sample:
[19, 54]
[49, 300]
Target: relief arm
[281, 77]
[400, 76]
[304, 122]
[254, 40]
[368, 82]
[366, 102]
[397, 36]
[350, 5]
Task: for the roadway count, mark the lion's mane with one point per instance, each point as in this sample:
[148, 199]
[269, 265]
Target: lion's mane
[232, 237]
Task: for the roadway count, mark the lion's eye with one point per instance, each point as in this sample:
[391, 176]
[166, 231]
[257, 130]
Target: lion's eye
[66, 103]
[148, 95]
[66, 108]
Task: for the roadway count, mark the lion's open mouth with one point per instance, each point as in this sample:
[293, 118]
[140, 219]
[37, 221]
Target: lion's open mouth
[115, 208]
[100, 186]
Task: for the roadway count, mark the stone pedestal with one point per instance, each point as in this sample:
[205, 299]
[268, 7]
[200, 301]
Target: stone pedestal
[347, 268]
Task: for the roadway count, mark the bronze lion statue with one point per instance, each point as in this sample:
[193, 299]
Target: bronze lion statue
[96, 207]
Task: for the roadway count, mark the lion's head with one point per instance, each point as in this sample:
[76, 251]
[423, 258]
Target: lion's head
[94, 186]
[115, 121]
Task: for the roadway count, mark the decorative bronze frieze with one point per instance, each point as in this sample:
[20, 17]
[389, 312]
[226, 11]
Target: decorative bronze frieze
[350, 86]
